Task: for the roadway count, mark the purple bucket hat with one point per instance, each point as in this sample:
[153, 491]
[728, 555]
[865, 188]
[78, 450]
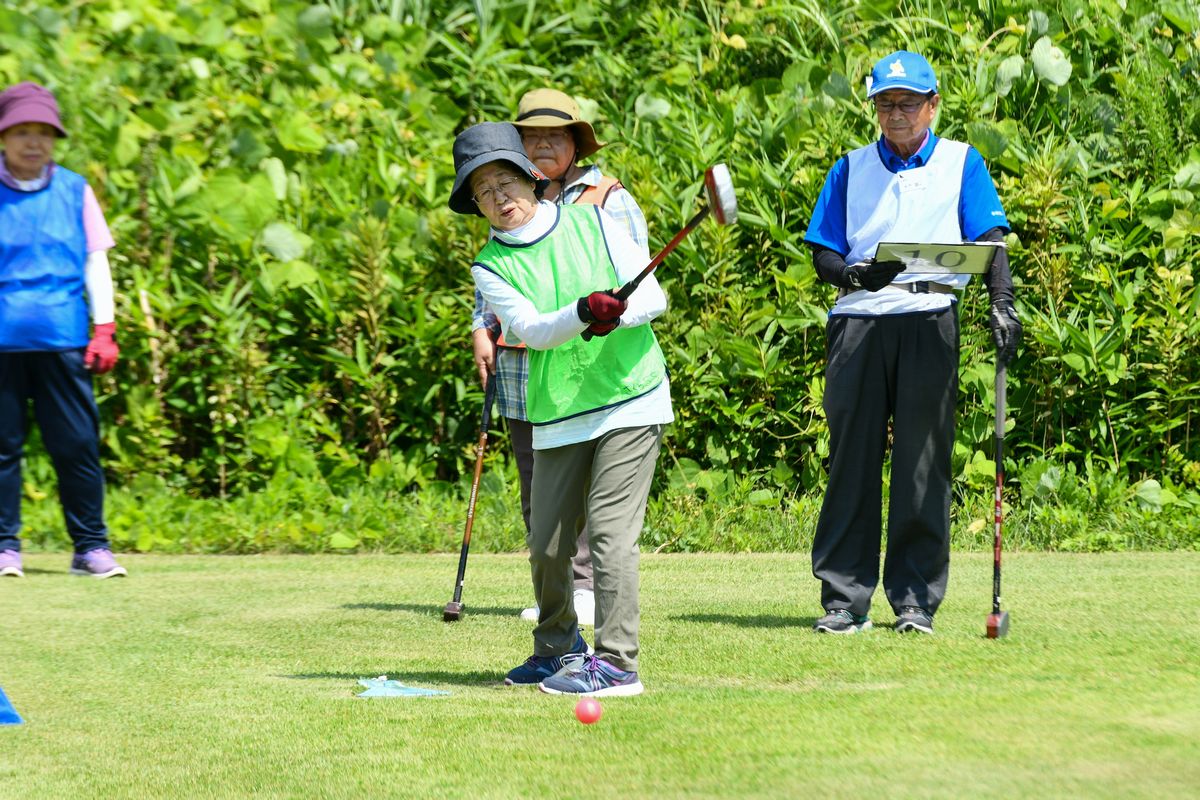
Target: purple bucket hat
[29, 102]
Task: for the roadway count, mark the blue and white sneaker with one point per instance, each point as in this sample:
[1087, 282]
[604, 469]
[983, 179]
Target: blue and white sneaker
[591, 677]
[841, 621]
[914, 618]
[536, 667]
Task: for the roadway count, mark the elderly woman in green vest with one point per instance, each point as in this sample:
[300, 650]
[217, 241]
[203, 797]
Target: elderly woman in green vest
[598, 404]
[556, 138]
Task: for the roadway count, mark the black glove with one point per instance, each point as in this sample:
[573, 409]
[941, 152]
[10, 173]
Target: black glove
[871, 275]
[599, 329]
[1006, 330]
[600, 307]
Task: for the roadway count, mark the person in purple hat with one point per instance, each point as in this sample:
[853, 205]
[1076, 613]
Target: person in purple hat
[892, 343]
[54, 272]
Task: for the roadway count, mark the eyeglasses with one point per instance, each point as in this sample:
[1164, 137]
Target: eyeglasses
[552, 136]
[489, 194]
[907, 106]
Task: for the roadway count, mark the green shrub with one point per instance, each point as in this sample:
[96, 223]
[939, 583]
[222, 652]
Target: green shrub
[294, 297]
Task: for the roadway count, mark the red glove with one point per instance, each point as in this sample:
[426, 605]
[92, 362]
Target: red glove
[102, 351]
[600, 307]
[599, 329]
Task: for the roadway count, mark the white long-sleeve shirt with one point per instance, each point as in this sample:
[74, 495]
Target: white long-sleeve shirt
[523, 323]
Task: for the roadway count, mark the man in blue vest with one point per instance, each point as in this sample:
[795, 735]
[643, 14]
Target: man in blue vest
[892, 346]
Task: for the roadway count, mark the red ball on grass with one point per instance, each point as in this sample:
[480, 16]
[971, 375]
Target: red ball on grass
[588, 710]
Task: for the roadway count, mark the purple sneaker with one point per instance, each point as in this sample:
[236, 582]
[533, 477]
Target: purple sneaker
[591, 677]
[97, 563]
[10, 564]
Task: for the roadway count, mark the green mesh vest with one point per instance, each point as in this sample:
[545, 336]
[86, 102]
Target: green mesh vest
[577, 377]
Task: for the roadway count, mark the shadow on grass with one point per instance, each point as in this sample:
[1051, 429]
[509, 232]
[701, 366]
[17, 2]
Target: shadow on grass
[484, 679]
[431, 610]
[748, 621]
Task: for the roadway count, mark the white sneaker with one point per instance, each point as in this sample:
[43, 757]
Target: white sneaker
[585, 607]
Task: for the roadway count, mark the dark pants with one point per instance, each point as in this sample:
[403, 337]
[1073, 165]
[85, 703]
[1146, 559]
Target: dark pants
[65, 409]
[902, 368]
[521, 433]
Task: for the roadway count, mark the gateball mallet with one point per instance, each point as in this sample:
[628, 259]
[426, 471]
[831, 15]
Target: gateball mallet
[997, 621]
[722, 204]
[454, 609]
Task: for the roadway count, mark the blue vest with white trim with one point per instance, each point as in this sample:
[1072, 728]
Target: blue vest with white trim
[913, 205]
[43, 251]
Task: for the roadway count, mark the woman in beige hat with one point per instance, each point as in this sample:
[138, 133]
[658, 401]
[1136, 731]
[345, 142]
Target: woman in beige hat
[556, 139]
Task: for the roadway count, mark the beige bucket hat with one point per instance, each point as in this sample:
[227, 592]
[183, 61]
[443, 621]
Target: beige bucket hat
[550, 108]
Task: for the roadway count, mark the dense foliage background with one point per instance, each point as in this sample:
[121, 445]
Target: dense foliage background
[294, 299]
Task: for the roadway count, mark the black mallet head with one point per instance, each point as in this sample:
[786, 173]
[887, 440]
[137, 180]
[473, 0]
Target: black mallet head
[453, 611]
[997, 625]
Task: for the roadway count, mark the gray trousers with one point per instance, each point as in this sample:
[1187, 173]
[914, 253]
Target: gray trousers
[608, 480]
[902, 368]
[521, 434]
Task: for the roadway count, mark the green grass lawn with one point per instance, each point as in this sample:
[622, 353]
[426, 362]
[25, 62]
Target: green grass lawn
[220, 676]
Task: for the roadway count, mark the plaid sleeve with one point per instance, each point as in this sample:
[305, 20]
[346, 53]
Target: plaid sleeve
[624, 209]
[484, 317]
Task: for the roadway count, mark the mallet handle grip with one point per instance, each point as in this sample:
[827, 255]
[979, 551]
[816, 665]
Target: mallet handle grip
[489, 395]
[1001, 403]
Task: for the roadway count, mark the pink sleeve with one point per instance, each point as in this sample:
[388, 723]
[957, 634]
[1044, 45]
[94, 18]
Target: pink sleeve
[98, 235]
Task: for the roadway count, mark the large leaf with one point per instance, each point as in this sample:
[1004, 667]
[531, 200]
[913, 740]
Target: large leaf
[316, 22]
[277, 174]
[1151, 495]
[298, 133]
[1050, 63]
[1010, 70]
[988, 139]
[284, 242]
[650, 107]
[1188, 176]
[234, 208]
[291, 273]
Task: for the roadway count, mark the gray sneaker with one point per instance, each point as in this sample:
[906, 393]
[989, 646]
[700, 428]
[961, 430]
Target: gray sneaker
[591, 677]
[10, 564]
[537, 668]
[839, 620]
[914, 618]
[98, 563]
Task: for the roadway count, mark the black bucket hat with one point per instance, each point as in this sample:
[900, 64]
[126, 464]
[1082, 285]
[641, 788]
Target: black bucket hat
[482, 144]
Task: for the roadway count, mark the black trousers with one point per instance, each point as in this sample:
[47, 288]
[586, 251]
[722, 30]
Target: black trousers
[903, 369]
[60, 390]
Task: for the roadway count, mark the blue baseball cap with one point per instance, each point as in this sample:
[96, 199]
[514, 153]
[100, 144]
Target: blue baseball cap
[901, 70]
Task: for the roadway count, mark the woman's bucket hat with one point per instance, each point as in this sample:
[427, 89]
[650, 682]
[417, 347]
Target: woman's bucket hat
[29, 102]
[482, 144]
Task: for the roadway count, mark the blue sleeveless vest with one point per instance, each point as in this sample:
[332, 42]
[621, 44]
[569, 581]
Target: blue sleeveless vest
[43, 250]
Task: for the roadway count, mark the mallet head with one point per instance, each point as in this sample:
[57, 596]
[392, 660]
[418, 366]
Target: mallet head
[997, 625]
[452, 612]
[721, 199]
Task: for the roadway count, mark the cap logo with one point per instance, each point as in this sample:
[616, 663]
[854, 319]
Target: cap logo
[896, 70]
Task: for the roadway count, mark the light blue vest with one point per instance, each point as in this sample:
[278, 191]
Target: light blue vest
[914, 205]
[43, 250]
